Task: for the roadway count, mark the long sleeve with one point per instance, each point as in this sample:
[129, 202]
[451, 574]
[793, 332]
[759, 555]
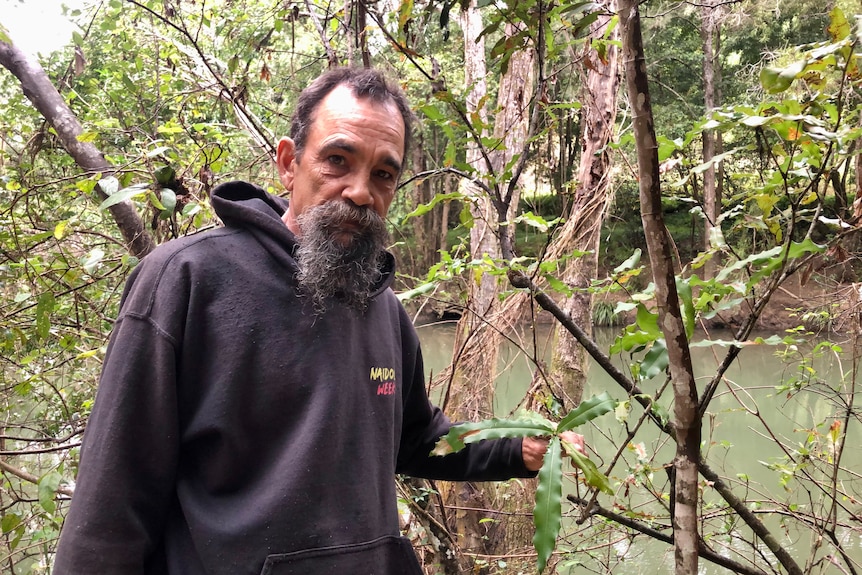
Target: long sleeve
[129, 456]
[424, 424]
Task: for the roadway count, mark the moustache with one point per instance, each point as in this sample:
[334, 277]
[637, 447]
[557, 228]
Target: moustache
[344, 216]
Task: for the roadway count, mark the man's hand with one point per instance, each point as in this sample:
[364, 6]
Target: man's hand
[533, 448]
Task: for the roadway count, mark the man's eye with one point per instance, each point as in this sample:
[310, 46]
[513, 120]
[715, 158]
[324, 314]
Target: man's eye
[384, 175]
[336, 160]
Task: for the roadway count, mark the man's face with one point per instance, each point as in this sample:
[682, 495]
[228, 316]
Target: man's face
[353, 153]
[341, 188]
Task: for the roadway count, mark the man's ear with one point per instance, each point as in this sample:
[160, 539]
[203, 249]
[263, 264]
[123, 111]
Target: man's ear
[285, 159]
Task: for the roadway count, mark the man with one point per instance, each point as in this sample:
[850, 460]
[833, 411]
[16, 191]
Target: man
[263, 385]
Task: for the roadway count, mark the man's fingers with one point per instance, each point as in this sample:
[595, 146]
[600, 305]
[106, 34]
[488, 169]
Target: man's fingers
[575, 439]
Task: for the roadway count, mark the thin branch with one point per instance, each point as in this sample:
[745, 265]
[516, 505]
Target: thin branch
[331, 56]
[45, 97]
[428, 173]
[244, 114]
[703, 550]
[30, 478]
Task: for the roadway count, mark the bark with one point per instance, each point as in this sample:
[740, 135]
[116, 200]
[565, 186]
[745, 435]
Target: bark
[331, 55]
[361, 36]
[583, 225]
[686, 415]
[512, 123]
[423, 231]
[748, 516]
[44, 96]
[477, 341]
[710, 32]
[354, 28]
[482, 235]
[349, 33]
[471, 381]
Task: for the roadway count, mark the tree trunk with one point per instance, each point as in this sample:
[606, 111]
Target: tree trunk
[471, 381]
[423, 228]
[355, 23]
[477, 337]
[583, 226]
[477, 341]
[512, 123]
[44, 96]
[686, 415]
[483, 239]
[710, 31]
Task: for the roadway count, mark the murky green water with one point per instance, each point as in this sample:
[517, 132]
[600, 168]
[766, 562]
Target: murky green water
[746, 417]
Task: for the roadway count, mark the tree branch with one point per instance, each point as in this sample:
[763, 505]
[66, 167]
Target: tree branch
[42, 93]
[30, 478]
[703, 551]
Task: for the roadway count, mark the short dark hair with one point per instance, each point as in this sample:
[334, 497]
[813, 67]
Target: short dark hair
[363, 83]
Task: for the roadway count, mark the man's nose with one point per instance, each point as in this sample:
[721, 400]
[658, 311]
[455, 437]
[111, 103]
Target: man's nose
[358, 191]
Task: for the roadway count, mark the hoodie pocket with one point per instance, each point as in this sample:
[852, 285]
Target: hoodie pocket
[388, 555]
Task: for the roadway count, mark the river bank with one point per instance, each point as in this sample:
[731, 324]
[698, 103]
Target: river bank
[820, 305]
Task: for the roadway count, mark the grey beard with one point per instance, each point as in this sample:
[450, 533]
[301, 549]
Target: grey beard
[340, 254]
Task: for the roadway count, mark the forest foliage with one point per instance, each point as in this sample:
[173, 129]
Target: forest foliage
[180, 96]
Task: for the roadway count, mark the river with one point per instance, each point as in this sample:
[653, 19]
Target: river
[748, 411]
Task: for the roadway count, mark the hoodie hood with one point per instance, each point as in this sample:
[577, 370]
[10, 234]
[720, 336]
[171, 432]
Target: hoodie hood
[250, 207]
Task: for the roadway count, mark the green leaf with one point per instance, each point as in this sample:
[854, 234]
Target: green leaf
[622, 411]
[667, 147]
[168, 199]
[191, 209]
[714, 161]
[48, 490]
[527, 425]
[587, 411]
[9, 522]
[85, 186]
[123, 195]
[548, 512]
[648, 321]
[630, 263]
[87, 137]
[761, 257]
[803, 248]
[716, 238]
[60, 229]
[423, 289]
[766, 262]
[535, 221]
[558, 285]
[165, 149]
[683, 288]
[839, 28]
[94, 258]
[156, 201]
[432, 112]
[465, 216]
[423, 209]
[592, 475]
[44, 309]
[4, 35]
[109, 185]
[164, 174]
[755, 121]
[405, 13]
[655, 361]
[776, 80]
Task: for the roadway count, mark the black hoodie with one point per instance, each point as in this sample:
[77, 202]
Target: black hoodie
[237, 432]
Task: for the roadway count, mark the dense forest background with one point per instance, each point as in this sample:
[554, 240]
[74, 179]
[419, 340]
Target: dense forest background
[661, 167]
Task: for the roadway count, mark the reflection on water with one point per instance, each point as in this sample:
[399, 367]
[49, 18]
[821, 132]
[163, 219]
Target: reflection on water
[746, 420]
